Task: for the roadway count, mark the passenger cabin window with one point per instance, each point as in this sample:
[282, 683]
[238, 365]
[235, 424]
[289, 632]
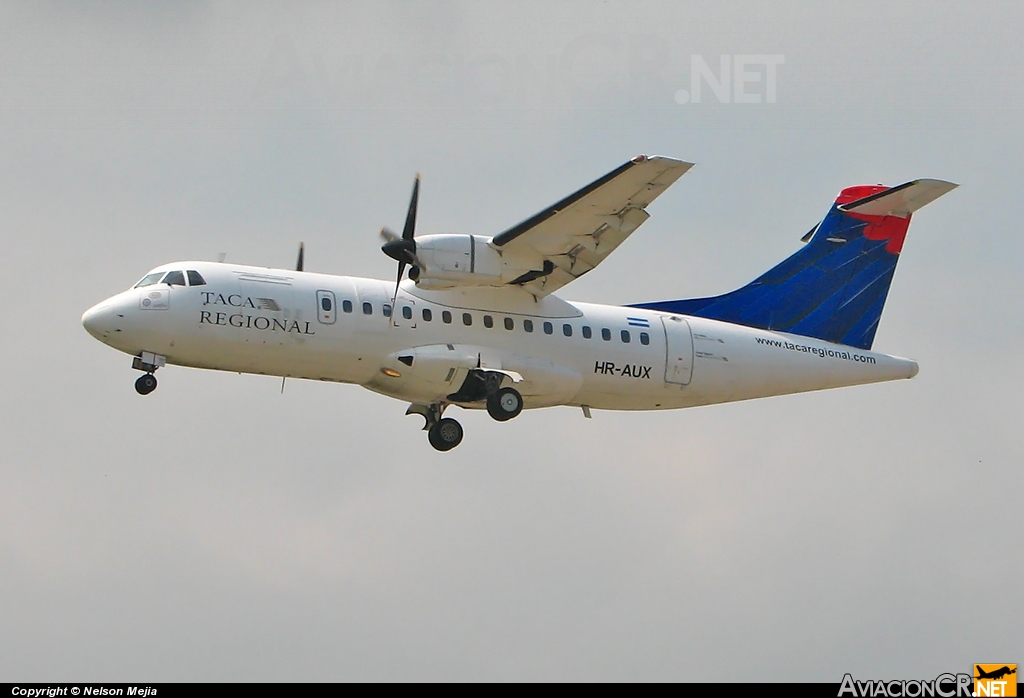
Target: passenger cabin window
[567, 330]
[548, 329]
[510, 324]
[446, 317]
[326, 304]
[367, 308]
[587, 334]
[625, 336]
[346, 306]
[528, 325]
[645, 338]
[407, 312]
[386, 310]
[149, 279]
[427, 315]
[195, 278]
[606, 334]
[488, 321]
[175, 278]
[467, 319]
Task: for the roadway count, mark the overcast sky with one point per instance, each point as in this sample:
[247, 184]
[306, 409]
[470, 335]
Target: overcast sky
[218, 530]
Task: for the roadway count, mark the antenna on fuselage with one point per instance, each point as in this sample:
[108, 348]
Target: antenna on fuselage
[221, 256]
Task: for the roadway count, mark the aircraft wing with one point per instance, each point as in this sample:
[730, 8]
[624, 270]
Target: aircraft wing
[571, 237]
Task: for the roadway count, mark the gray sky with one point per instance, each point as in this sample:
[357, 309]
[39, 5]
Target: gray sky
[220, 530]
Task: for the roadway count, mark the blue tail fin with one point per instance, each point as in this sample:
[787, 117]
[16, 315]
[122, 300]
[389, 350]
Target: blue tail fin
[834, 288]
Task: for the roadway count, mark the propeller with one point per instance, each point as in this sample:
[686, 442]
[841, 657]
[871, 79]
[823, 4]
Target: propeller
[403, 249]
[300, 263]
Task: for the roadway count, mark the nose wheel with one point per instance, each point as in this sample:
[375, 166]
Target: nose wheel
[445, 434]
[148, 363]
[145, 384]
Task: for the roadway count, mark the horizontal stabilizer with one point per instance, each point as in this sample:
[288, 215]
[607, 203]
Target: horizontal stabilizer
[900, 201]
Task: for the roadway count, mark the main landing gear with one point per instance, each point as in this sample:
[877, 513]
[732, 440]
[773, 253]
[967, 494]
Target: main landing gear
[503, 404]
[445, 435]
[149, 363]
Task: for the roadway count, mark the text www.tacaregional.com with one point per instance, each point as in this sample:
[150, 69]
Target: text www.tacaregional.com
[817, 351]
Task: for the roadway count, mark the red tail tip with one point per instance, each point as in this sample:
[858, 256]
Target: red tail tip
[859, 192]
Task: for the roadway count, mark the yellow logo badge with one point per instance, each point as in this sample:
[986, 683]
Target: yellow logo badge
[995, 680]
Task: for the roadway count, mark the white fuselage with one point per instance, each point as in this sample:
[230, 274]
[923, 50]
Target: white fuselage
[314, 326]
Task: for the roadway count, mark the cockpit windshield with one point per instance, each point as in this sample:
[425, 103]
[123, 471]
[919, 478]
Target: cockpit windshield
[150, 279]
[175, 278]
[172, 278]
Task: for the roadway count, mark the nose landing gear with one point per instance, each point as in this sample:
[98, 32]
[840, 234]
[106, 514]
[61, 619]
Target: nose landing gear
[145, 384]
[149, 363]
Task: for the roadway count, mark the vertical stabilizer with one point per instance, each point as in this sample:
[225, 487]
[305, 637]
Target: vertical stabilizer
[835, 287]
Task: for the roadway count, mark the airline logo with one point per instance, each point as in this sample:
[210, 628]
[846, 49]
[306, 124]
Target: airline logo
[155, 299]
[995, 680]
[998, 680]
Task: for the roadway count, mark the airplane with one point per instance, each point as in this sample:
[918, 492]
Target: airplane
[477, 324]
[995, 674]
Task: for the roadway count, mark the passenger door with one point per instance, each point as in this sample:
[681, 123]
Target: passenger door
[678, 350]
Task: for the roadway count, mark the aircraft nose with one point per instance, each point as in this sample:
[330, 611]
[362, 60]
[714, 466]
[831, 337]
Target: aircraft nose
[99, 320]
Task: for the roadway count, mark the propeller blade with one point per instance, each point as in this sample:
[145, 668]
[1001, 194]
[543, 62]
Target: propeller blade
[403, 249]
[302, 257]
[398, 282]
[410, 217]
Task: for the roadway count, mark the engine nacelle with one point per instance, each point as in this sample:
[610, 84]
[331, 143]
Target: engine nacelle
[464, 260]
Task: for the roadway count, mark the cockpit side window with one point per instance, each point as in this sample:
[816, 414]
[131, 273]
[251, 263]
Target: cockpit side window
[195, 278]
[175, 278]
[149, 279]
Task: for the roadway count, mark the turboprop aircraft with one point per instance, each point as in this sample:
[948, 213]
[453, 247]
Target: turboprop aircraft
[476, 323]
